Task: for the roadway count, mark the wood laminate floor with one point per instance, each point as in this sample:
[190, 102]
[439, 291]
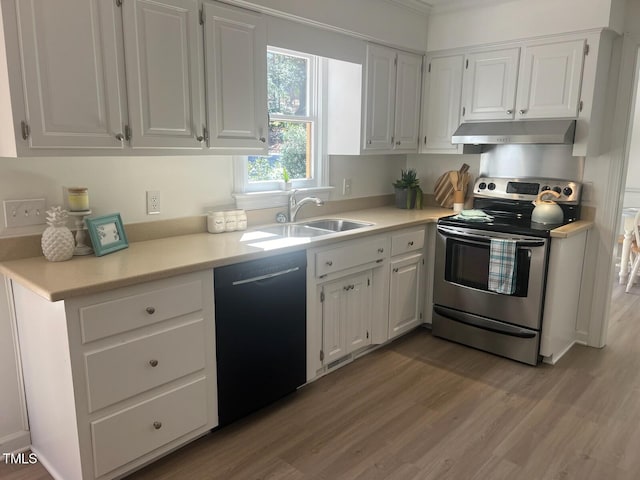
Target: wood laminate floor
[424, 408]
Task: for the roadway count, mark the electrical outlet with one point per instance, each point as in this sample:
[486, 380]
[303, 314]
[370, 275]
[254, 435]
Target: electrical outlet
[22, 213]
[153, 202]
[346, 187]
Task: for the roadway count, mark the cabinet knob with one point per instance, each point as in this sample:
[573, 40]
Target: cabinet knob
[395, 270]
[329, 263]
[381, 250]
[153, 363]
[157, 425]
[509, 112]
[120, 137]
[397, 143]
[410, 243]
[150, 310]
[200, 138]
[369, 142]
[262, 139]
[522, 112]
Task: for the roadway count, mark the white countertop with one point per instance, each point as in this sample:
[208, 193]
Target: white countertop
[165, 257]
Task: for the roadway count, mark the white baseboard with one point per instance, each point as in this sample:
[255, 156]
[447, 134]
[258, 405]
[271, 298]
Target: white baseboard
[16, 442]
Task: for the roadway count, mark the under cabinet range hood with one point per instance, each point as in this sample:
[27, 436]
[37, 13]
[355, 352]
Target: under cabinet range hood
[518, 132]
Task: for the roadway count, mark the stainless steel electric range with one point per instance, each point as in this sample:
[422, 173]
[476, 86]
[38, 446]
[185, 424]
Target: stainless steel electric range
[465, 309]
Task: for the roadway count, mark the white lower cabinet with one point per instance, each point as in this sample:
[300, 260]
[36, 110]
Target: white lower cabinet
[405, 294]
[346, 315]
[116, 379]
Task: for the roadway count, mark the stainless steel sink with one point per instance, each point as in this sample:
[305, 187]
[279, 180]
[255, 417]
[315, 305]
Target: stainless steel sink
[294, 230]
[335, 224]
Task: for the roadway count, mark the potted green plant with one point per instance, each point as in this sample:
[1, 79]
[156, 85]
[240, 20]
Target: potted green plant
[407, 189]
[286, 180]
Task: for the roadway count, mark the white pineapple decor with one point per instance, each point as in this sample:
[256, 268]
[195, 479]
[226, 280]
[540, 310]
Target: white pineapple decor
[57, 240]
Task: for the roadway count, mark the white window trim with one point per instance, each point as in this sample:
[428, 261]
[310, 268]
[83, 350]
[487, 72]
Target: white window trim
[273, 195]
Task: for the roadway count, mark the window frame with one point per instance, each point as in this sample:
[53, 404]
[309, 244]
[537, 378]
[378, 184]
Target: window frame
[316, 104]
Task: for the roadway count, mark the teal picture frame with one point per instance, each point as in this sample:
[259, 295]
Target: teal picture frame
[107, 234]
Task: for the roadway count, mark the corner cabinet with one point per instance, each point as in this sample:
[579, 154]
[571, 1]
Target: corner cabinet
[393, 83]
[441, 104]
[538, 80]
[124, 364]
[236, 68]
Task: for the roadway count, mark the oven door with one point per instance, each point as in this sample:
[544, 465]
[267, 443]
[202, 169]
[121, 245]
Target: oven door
[461, 276]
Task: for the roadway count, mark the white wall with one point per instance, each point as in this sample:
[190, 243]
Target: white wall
[378, 20]
[370, 174]
[187, 185]
[517, 19]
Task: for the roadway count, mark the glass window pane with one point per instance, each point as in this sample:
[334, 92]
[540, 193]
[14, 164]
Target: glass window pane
[289, 148]
[287, 78]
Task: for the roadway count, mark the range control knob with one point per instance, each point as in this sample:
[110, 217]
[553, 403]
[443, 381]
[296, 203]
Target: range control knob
[567, 191]
[492, 186]
[557, 189]
[545, 188]
[482, 186]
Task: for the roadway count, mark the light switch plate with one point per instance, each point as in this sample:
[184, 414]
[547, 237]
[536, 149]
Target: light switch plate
[22, 213]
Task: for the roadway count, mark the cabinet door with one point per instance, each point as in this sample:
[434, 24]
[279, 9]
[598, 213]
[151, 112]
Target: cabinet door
[380, 98]
[550, 79]
[346, 315]
[73, 78]
[164, 75]
[334, 328]
[236, 71]
[404, 300]
[441, 104]
[407, 108]
[358, 312]
[489, 85]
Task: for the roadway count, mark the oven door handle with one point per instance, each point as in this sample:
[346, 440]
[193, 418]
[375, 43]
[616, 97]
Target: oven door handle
[483, 323]
[463, 235]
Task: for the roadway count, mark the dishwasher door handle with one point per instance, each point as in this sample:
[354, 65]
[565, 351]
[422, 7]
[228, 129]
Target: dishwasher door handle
[265, 277]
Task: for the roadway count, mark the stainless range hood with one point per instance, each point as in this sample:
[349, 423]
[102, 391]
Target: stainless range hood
[520, 132]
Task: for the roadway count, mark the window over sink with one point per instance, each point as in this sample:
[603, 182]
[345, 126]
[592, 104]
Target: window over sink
[295, 95]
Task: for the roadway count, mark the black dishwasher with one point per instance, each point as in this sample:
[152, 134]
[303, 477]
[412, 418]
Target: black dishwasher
[261, 332]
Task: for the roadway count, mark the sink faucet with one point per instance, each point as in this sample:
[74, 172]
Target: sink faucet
[295, 206]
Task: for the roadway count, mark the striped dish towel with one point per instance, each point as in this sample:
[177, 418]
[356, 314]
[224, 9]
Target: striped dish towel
[502, 266]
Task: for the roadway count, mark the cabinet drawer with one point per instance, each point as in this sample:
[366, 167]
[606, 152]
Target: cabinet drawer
[129, 368]
[131, 433]
[116, 316]
[407, 242]
[352, 255]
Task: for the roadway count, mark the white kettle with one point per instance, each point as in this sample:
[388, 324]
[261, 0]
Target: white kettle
[547, 212]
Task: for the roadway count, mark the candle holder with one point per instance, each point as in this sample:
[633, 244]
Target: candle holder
[81, 235]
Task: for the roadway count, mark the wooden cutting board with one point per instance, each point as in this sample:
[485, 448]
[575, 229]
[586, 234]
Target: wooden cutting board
[443, 191]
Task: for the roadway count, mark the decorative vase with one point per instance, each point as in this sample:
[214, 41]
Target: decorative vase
[57, 240]
[405, 198]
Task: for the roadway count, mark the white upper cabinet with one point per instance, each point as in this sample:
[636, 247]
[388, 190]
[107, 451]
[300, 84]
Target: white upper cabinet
[236, 70]
[72, 76]
[489, 85]
[407, 112]
[549, 80]
[163, 50]
[380, 98]
[392, 100]
[441, 104]
[538, 80]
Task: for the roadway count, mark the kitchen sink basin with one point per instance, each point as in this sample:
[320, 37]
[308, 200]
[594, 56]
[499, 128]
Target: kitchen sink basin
[335, 224]
[294, 230]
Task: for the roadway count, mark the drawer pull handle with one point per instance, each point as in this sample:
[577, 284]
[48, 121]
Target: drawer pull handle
[411, 244]
[157, 425]
[153, 363]
[150, 310]
[329, 263]
[395, 270]
[381, 250]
